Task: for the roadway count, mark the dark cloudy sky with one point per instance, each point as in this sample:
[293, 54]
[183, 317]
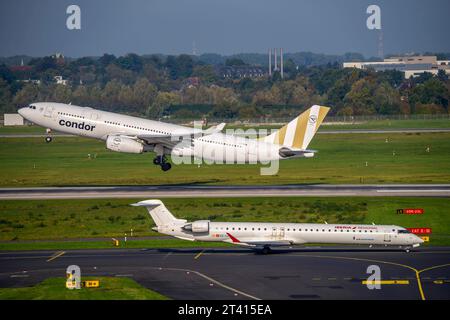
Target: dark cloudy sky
[221, 26]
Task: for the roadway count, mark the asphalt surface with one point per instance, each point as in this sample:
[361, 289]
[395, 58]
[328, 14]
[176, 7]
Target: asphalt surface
[305, 273]
[205, 191]
[377, 131]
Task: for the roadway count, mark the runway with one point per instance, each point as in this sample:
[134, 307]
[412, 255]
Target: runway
[343, 131]
[209, 191]
[307, 273]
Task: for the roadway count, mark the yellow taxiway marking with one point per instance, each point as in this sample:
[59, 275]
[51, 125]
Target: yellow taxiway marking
[385, 282]
[56, 255]
[441, 281]
[416, 271]
[199, 254]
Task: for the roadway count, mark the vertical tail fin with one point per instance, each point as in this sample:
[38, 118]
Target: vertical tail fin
[159, 213]
[299, 132]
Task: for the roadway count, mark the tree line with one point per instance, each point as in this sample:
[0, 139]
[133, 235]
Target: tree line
[185, 86]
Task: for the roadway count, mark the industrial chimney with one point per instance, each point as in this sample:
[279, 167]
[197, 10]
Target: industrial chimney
[270, 62]
[276, 62]
[281, 63]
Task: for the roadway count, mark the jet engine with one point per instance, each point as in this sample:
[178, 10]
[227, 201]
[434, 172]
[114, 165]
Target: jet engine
[124, 144]
[198, 226]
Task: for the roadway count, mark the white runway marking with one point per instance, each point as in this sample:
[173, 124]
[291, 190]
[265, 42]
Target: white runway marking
[393, 191]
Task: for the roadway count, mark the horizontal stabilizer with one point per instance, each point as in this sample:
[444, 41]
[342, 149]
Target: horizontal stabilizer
[286, 152]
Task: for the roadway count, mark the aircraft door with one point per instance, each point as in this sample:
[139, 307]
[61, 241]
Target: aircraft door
[278, 233]
[49, 111]
[94, 116]
[387, 237]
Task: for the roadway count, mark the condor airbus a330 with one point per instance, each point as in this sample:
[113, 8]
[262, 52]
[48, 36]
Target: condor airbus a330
[128, 134]
[264, 236]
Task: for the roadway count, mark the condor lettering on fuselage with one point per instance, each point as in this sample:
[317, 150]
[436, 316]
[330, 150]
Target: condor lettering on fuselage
[73, 124]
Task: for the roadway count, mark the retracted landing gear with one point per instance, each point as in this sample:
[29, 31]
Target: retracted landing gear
[162, 161]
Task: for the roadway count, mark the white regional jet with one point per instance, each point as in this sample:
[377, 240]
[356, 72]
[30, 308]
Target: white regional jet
[128, 134]
[262, 236]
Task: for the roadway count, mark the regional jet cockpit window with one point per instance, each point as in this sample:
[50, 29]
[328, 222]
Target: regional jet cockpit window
[404, 231]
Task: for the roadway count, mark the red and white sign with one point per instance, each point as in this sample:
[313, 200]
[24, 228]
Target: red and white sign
[420, 230]
[410, 211]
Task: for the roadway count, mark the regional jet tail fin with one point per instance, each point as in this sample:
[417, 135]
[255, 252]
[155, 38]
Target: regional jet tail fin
[298, 133]
[159, 213]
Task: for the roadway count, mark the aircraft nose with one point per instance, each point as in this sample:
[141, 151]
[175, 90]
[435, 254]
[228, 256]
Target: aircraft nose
[23, 112]
[20, 111]
[418, 239]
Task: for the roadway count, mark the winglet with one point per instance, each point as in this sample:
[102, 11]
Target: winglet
[233, 238]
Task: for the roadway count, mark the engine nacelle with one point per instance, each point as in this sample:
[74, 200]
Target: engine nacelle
[123, 144]
[198, 226]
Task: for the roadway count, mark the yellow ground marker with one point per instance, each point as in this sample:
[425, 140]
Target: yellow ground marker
[56, 255]
[199, 254]
[374, 282]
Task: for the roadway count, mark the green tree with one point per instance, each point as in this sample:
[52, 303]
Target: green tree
[162, 102]
[205, 73]
[233, 62]
[431, 91]
[144, 93]
[62, 94]
[28, 94]
[109, 96]
[5, 97]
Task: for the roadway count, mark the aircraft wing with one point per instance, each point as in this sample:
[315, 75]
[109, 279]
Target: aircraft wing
[169, 141]
[259, 243]
[215, 129]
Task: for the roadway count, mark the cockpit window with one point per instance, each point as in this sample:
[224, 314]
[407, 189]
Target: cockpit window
[32, 107]
[404, 231]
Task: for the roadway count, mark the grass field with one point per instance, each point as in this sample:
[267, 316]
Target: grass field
[111, 288]
[341, 159]
[72, 219]
[373, 124]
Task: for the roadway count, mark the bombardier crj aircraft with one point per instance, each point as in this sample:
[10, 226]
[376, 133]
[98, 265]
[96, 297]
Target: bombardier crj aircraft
[263, 236]
[128, 134]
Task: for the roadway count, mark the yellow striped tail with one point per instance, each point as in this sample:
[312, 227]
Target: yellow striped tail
[298, 133]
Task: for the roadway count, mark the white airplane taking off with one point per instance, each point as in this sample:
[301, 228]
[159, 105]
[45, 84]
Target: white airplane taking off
[262, 236]
[136, 135]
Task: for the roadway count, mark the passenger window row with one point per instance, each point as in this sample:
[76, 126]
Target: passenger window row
[70, 115]
[222, 143]
[293, 229]
[135, 127]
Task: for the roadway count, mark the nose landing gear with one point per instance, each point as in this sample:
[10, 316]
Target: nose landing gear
[162, 161]
[48, 138]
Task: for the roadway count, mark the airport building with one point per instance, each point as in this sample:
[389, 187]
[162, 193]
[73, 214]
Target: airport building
[13, 119]
[411, 66]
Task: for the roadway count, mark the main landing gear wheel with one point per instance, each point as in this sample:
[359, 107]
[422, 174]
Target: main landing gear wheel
[162, 161]
[157, 160]
[48, 139]
[265, 250]
[166, 166]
